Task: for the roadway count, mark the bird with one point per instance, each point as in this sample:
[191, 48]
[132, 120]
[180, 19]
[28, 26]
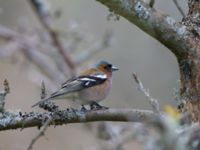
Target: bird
[89, 88]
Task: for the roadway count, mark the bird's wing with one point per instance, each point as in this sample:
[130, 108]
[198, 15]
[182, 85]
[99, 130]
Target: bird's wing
[77, 84]
[84, 81]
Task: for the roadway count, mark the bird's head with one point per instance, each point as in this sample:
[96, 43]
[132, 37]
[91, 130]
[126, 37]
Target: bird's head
[106, 66]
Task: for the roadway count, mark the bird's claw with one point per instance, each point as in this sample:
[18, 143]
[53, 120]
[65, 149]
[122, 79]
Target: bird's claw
[96, 106]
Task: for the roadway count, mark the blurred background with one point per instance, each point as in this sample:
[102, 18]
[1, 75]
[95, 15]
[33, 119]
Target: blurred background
[130, 49]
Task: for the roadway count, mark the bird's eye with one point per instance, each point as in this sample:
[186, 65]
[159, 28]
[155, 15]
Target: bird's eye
[108, 67]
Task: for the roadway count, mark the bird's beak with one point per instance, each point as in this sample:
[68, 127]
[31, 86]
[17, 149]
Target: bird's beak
[114, 68]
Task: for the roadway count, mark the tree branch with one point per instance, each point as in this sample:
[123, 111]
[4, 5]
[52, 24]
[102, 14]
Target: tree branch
[42, 10]
[36, 119]
[158, 25]
[95, 48]
[153, 102]
[179, 8]
[41, 133]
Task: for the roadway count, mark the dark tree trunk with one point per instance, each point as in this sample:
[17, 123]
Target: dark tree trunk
[190, 64]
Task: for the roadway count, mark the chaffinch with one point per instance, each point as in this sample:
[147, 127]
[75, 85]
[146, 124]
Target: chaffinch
[92, 86]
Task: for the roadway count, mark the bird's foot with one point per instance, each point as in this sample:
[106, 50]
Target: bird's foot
[96, 106]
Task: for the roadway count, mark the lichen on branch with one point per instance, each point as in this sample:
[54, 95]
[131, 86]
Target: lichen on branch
[19, 120]
[160, 26]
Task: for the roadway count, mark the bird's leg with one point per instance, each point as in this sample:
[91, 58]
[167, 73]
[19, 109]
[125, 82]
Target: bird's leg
[95, 106]
[83, 108]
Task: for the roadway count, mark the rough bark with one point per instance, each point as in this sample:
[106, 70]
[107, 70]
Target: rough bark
[32, 119]
[190, 64]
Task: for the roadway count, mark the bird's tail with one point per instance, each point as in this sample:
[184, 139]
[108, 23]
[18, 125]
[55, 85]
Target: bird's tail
[53, 96]
[61, 94]
[42, 101]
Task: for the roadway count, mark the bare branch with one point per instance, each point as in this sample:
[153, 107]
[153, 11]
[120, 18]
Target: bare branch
[28, 48]
[3, 94]
[7, 33]
[97, 47]
[153, 102]
[179, 8]
[43, 12]
[116, 136]
[42, 62]
[9, 48]
[43, 93]
[41, 133]
[46, 124]
[35, 119]
[154, 23]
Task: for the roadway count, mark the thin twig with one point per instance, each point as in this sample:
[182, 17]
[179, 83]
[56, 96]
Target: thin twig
[179, 8]
[95, 48]
[3, 94]
[41, 133]
[43, 12]
[113, 135]
[43, 93]
[30, 50]
[7, 33]
[153, 102]
[42, 62]
[46, 124]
